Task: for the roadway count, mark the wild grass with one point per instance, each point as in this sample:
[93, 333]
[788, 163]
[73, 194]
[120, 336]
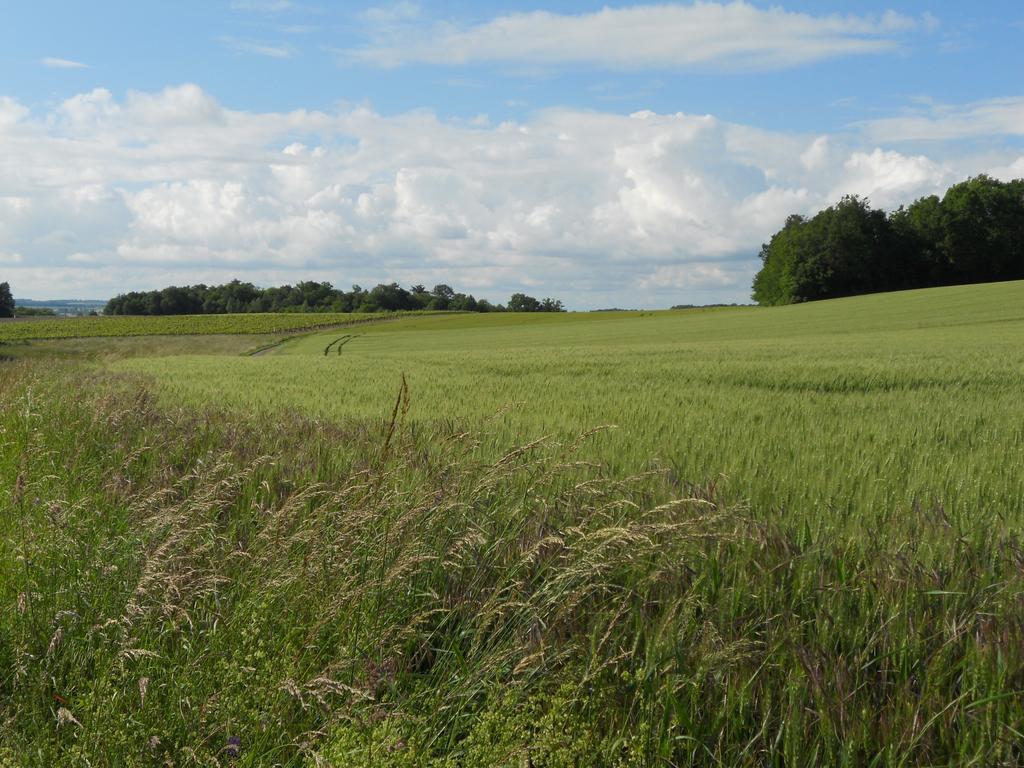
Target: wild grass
[193, 588]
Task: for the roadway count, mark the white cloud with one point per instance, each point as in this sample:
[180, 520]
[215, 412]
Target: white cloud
[816, 155]
[102, 195]
[56, 63]
[258, 49]
[11, 112]
[888, 178]
[733, 36]
[940, 122]
[1009, 171]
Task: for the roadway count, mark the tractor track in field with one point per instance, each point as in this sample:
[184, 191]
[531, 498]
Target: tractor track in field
[337, 344]
[340, 342]
[260, 351]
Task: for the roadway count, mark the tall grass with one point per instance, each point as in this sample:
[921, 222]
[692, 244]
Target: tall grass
[196, 587]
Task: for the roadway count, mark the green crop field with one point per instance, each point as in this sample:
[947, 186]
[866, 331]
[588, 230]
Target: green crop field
[118, 326]
[416, 543]
[860, 407]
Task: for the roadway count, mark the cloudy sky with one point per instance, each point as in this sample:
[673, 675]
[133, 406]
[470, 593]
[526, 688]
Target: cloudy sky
[609, 154]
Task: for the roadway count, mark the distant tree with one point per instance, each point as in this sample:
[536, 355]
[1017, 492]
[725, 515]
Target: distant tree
[177, 301]
[443, 291]
[6, 301]
[849, 249]
[520, 302]
[464, 303]
[307, 296]
[441, 297]
[843, 251]
[391, 298]
[773, 284]
[421, 296]
[982, 223]
[920, 228]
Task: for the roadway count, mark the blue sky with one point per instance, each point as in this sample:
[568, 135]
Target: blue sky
[622, 153]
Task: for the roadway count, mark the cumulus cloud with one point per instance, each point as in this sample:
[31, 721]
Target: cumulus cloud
[673, 36]
[1008, 171]
[888, 178]
[101, 195]
[11, 112]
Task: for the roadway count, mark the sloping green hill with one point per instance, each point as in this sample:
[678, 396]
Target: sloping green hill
[863, 403]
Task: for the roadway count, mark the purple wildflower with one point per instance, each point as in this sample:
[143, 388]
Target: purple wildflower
[234, 746]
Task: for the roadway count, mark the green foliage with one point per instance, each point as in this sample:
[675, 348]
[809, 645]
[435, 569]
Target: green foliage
[6, 301]
[971, 235]
[308, 296]
[774, 282]
[565, 728]
[520, 302]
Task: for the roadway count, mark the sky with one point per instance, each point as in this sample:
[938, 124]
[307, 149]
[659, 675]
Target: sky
[606, 154]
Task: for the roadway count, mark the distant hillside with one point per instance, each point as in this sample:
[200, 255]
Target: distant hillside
[64, 306]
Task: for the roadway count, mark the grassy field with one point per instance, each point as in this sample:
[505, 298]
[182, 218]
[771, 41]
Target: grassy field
[178, 325]
[801, 546]
[851, 410]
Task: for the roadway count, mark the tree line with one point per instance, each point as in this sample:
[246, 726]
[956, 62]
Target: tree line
[972, 234]
[312, 296]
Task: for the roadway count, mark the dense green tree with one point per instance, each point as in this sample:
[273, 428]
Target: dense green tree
[391, 298]
[307, 296]
[843, 251]
[441, 297]
[920, 226]
[520, 302]
[983, 230]
[773, 284]
[974, 233]
[6, 301]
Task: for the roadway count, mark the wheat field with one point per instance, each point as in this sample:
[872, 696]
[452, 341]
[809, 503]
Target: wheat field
[421, 542]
